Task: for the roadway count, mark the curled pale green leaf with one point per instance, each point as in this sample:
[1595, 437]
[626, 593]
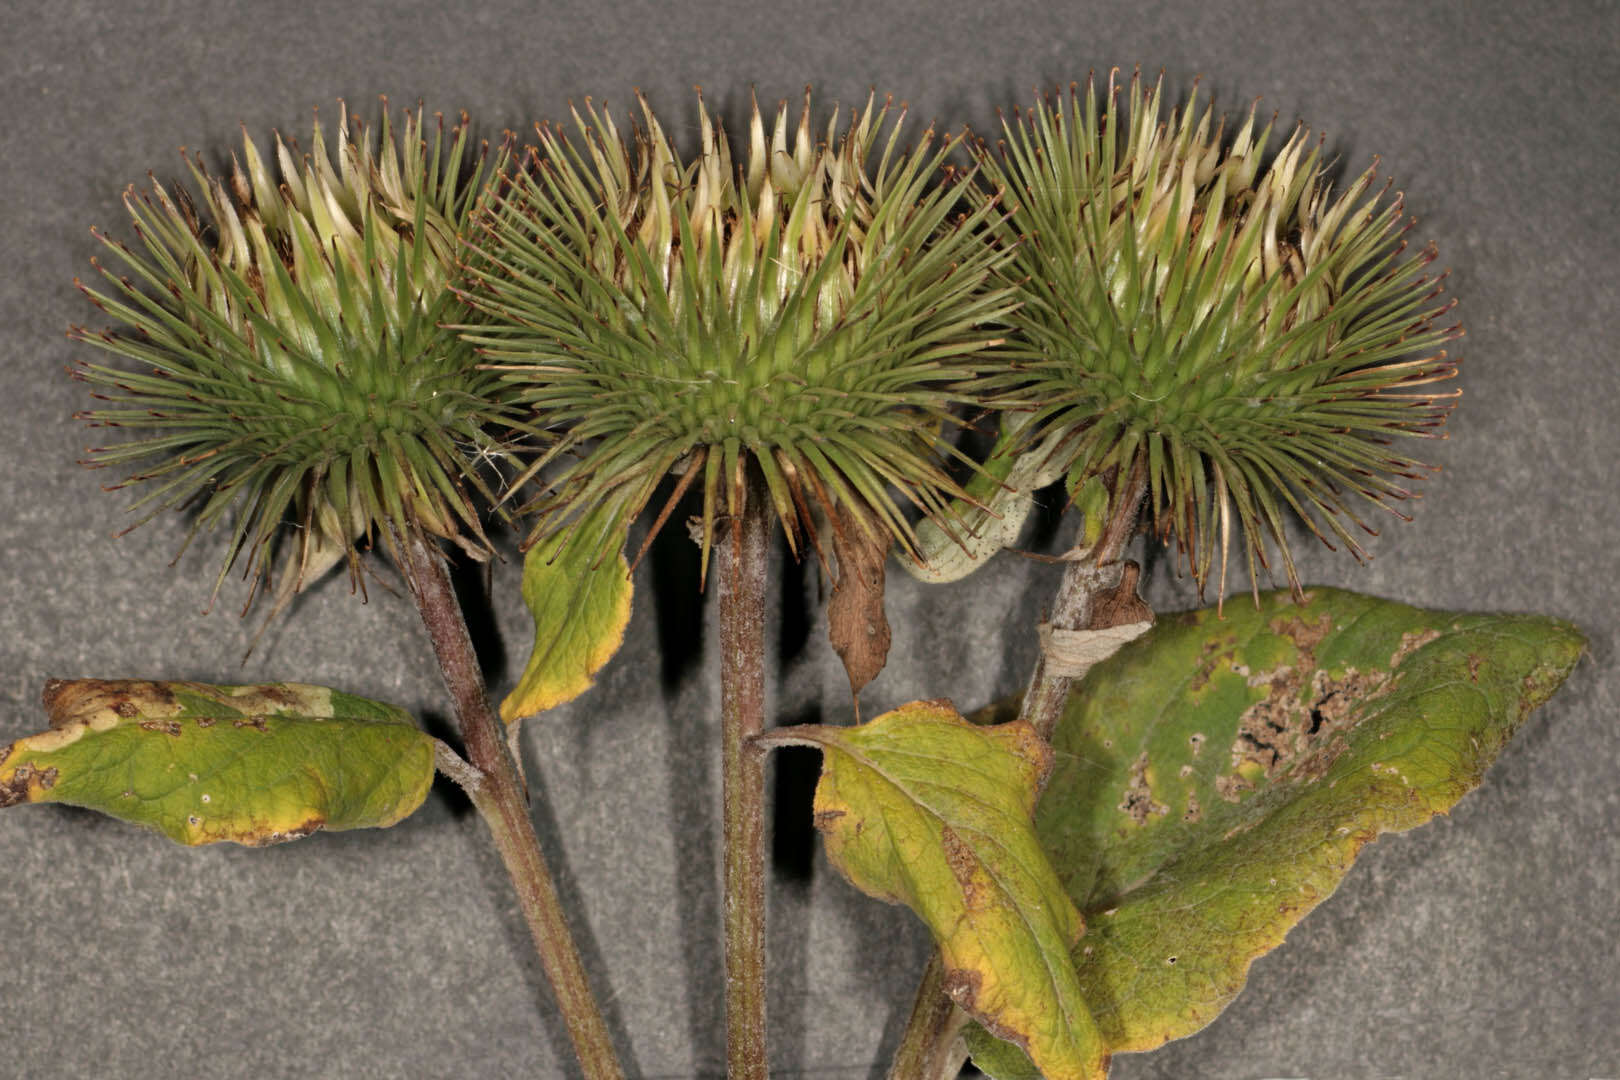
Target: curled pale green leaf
[580, 602]
[1217, 778]
[1001, 495]
[920, 807]
[252, 764]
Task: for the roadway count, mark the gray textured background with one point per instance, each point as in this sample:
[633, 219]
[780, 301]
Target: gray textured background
[1483, 945]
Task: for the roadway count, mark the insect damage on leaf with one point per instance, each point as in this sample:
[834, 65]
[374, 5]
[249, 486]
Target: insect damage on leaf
[1199, 815]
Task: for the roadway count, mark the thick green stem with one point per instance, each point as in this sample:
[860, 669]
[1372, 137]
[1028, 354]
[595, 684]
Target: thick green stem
[498, 794]
[742, 559]
[929, 1047]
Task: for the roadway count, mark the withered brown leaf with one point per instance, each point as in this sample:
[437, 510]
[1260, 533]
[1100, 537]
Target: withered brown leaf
[856, 624]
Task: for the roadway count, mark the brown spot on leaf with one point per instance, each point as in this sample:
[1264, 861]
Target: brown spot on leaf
[280, 695]
[1298, 729]
[856, 624]
[1411, 642]
[962, 986]
[1538, 685]
[1316, 765]
[1473, 668]
[1194, 810]
[1305, 635]
[53, 688]
[1139, 803]
[14, 789]
[297, 832]
[1214, 652]
[1260, 733]
[163, 727]
[964, 866]
[823, 819]
[72, 701]
[255, 722]
[1027, 743]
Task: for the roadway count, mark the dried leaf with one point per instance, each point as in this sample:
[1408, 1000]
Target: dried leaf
[856, 624]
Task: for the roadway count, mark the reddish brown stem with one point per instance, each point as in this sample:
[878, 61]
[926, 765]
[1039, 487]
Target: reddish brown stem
[498, 795]
[742, 558]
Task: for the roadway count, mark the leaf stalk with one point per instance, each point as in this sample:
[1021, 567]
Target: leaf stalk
[499, 796]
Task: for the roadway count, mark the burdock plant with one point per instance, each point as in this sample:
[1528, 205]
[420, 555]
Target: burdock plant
[1214, 340]
[1226, 341]
[788, 334]
[1197, 339]
[297, 369]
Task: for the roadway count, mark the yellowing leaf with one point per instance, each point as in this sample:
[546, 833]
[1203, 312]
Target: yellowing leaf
[580, 603]
[1217, 778]
[920, 807]
[199, 763]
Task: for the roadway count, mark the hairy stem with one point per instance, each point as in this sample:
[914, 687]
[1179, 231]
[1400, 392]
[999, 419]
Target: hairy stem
[499, 797]
[742, 565]
[930, 1048]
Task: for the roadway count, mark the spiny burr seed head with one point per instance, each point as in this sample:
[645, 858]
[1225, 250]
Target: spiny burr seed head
[813, 312]
[291, 357]
[1193, 320]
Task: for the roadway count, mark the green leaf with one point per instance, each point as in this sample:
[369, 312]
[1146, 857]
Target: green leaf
[580, 602]
[252, 764]
[997, 1058]
[1217, 778]
[920, 807]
